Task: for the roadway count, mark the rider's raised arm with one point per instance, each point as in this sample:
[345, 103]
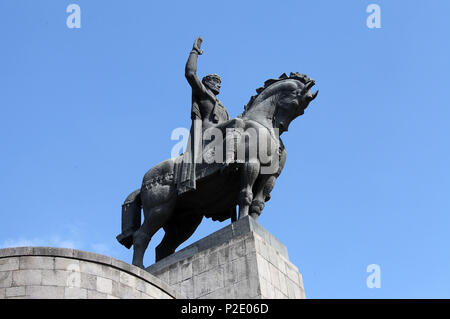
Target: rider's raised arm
[191, 69]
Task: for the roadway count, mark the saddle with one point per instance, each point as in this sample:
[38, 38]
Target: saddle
[200, 162]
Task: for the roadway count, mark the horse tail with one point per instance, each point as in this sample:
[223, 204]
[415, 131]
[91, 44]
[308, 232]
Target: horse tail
[131, 218]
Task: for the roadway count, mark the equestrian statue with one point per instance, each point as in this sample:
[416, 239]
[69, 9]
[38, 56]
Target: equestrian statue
[227, 162]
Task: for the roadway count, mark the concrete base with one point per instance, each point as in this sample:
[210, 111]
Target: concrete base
[242, 260]
[61, 273]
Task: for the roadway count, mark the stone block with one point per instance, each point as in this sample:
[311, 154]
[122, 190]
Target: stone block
[151, 290]
[217, 294]
[36, 262]
[264, 287]
[104, 285]
[140, 285]
[174, 274]
[26, 277]
[91, 268]
[5, 279]
[271, 291]
[145, 296]
[291, 287]
[123, 266]
[15, 251]
[187, 288]
[229, 274]
[211, 260]
[262, 249]
[292, 273]
[250, 244]
[300, 280]
[186, 271]
[297, 292]
[229, 293]
[125, 292]
[50, 251]
[208, 281]
[273, 255]
[9, 252]
[15, 292]
[237, 249]
[75, 293]
[263, 268]
[302, 293]
[247, 288]
[127, 279]
[58, 278]
[275, 278]
[223, 255]
[279, 294]
[163, 275]
[45, 292]
[283, 284]
[67, 264]
[93, 294]
[281, 264]
[92, 257]
[88, 281]
[112, 273]
[245, 267]
[9, 264]
[198, 265]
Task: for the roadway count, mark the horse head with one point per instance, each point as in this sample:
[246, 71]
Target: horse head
[281, 100]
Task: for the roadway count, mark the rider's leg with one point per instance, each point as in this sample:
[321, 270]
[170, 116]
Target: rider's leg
[233, 132]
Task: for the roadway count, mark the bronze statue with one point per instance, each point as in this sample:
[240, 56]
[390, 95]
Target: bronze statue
[178, 192]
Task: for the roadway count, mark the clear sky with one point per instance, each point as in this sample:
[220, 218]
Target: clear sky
[86, 112]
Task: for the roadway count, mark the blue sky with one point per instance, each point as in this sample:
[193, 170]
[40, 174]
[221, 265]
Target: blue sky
[86, 112]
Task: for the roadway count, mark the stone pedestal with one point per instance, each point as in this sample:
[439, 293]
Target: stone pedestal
[242, 260]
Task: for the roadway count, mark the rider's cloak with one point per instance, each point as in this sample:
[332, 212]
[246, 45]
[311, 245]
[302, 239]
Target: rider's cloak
[185, 164]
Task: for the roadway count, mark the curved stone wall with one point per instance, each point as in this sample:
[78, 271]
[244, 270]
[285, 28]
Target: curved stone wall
[61, 273]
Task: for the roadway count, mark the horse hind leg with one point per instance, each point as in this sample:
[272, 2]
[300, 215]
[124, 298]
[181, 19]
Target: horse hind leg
[177, 233]
[154, 219]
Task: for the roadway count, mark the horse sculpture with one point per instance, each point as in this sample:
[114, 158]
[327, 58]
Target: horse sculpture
[246, 182]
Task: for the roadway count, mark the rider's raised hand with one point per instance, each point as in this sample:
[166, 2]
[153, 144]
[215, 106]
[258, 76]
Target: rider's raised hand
[197, 45]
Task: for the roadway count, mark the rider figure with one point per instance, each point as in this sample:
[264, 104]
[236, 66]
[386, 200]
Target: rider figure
[205, 104]
[207, 111]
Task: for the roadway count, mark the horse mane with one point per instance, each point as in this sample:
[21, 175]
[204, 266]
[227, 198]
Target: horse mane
[292, 76]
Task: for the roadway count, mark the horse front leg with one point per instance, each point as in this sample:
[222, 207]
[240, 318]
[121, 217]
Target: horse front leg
[261, 191]
[249, 174]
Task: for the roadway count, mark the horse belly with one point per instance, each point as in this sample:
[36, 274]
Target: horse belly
[214, 194]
